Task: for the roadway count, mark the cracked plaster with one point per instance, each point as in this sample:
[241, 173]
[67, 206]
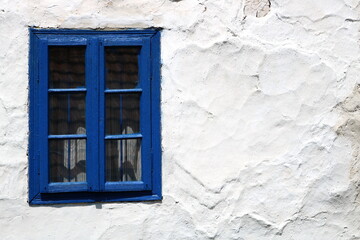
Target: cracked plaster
[258, 8]
[260, 121]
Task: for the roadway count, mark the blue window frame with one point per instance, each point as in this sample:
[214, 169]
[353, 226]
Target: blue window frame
[94, 116]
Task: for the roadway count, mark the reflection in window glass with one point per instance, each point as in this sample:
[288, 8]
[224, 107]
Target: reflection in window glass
[122, 113]
[67, 159]
[121, 64]
[66, 113]
[123, 160]
[66, 66]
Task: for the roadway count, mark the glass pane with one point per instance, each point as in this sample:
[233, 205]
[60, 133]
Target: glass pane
[122, 113]
[66, 66]
[123, 160]
[121, 67]
[67, 113]
[67, 159]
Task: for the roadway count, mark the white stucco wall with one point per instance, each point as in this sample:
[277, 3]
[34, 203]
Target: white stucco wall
[260, 121]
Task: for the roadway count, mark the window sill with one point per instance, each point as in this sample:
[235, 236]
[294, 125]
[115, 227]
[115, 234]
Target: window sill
[93, 197]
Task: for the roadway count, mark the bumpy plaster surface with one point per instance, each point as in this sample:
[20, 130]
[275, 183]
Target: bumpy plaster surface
[258, 8]
[260, 121]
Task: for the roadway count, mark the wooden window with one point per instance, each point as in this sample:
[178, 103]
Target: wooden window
[94, 116]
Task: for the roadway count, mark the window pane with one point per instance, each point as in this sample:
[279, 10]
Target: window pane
[67, 113]
[122, 113]
[67, 159]
[123, 160]
[121, 64]
[66, 66]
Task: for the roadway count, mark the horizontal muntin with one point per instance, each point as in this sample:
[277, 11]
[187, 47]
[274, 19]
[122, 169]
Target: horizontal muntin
[123, 136]
[134, 90]
[68, 136]
[65, 90]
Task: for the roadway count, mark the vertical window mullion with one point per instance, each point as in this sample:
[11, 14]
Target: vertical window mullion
[155, 114]
[121, 142]
[92, 114]
[34, 153]
[101, 110]
[145, 112]
[43, 119]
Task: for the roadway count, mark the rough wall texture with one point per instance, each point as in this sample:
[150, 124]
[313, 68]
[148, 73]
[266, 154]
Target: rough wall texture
[258, 8]
[260, 121]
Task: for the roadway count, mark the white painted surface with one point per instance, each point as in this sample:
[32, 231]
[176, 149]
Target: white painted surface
[260, 121]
